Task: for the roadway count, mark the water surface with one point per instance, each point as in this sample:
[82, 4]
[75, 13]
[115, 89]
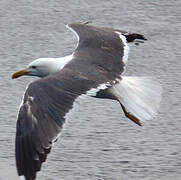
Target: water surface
[98, 143]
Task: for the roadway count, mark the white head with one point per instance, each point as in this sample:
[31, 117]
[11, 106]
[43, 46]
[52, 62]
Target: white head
[44, 66]
[40, 67]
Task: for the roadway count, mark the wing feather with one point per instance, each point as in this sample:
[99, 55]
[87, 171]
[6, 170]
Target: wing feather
[42, 115]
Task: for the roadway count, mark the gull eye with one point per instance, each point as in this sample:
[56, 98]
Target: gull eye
[34, 67]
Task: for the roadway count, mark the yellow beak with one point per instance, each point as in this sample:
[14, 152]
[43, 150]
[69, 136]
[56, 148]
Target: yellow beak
[19, 73]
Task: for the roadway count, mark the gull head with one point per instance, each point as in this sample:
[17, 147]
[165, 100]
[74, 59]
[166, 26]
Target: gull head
[40, 67]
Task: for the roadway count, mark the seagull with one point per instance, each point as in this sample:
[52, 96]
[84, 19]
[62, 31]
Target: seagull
[95, 69]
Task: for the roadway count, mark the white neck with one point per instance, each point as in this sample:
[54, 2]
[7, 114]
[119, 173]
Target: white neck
[59, 63]
[47, 66]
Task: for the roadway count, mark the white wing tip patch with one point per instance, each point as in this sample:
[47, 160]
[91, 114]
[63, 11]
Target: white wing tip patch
[21, 177]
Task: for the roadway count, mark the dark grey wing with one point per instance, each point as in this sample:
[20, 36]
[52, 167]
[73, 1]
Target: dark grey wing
[38, 125]
[130, 37]
[42, 114]
[102, 48]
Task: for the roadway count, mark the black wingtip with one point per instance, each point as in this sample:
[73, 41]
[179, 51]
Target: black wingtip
[134, 37]
[30, 178]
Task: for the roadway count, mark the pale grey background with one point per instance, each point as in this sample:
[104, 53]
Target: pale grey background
[99, 142]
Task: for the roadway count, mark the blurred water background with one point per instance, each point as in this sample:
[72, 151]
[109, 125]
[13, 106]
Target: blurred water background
[99, 143]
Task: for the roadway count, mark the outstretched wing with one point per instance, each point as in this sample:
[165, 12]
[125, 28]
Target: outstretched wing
[105, 48]
[41, 117]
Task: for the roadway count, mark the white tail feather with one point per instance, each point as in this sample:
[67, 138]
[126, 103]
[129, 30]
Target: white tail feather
[140, 96]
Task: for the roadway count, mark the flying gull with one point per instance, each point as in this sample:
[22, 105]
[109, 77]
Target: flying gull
[94, 69]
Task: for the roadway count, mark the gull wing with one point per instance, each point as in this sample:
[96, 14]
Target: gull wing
[103, 47]
[42, 114]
